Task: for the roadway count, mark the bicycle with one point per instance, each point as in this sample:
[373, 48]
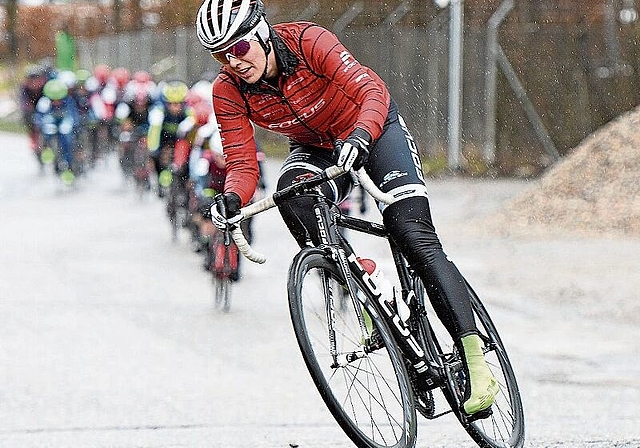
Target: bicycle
[54, 133]
[178, 201]
[142, 167]
[127, 142]
[379, 361]
[223, 258]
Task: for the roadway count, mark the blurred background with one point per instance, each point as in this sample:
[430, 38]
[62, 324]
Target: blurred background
[533, 78]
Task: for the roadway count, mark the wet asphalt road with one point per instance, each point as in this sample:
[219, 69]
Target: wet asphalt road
[108, 337]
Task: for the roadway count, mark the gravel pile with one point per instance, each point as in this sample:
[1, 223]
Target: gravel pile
[594, 190]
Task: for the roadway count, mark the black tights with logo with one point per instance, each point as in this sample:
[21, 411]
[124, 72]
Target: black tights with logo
[395, 168]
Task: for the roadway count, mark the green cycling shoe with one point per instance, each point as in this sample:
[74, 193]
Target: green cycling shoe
[484, 386]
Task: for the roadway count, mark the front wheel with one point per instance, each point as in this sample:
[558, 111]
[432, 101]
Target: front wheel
[222, 293]
[351, 356]
[223, 264]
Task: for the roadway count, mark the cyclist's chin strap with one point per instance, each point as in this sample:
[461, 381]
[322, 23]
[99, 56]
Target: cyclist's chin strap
[266, 46]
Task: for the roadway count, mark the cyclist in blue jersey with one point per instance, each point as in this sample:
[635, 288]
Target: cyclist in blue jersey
[164, 119]
[57, 119]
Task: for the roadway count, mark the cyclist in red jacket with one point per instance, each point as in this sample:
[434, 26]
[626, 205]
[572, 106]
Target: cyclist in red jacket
[297, 79]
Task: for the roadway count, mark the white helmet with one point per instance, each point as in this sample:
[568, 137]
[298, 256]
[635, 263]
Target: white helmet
[221, 23]
[68, 77]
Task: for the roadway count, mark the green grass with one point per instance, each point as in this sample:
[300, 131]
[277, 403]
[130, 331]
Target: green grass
[276, 147]
[12, 126]
[9, 81]
[274, 150]
[435, 165]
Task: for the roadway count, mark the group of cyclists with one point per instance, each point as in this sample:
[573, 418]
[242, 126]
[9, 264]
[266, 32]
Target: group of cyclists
[164, 133]
[69, 115]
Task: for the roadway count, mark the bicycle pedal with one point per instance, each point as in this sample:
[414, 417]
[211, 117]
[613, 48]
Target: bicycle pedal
[485, 413]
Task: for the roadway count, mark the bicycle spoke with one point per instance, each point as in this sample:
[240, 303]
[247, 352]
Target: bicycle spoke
[376, 378]
[367, 404]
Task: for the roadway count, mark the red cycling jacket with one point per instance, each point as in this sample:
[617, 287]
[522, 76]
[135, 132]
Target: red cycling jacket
[322, 94]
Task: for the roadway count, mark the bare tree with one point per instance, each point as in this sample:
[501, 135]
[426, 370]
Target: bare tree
[136, 14]
[117, 15]
[12, 31]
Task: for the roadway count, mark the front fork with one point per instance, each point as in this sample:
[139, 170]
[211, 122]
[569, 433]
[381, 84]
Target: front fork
[357, 301]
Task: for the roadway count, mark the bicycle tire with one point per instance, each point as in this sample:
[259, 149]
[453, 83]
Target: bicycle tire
[172, 209]
[504, 428]
[175, 225]
[222, 291]
[370, 398]
[142, 169]
[177, 207]
[219, 266]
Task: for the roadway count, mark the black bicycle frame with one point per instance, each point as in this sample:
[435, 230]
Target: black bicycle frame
[343, 254]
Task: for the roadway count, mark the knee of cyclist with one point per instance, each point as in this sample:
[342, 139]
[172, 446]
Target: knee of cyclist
[207, 228]
[300, 230]
[410, 226]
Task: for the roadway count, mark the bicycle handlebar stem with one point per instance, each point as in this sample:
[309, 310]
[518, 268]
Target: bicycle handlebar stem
[297, 189]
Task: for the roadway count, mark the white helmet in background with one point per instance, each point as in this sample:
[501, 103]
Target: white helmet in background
[203, 89]
[68, 78]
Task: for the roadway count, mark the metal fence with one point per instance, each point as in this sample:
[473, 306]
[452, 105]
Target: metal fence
[164, 53]
[412, 60]
[510, 113]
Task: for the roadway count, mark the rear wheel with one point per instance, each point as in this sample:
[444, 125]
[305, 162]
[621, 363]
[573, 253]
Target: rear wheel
[364, 383]
[504, 427]
[172, 211]
[177, 206]
[142, 168]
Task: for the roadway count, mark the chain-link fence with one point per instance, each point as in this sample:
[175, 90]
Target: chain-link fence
[411, 59]
[540, 80]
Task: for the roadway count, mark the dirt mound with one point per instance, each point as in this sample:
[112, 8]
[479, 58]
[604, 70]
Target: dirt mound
[595, 189]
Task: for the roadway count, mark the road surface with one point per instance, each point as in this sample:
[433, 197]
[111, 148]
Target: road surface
[108, 337]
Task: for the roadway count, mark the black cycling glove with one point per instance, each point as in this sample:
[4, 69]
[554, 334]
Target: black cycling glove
[354, 151]
[230, 204]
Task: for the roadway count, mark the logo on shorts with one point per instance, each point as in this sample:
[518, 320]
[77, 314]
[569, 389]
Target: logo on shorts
[391, 175]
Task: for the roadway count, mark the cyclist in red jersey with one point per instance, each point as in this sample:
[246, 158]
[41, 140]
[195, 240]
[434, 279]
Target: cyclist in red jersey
[297, 79]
